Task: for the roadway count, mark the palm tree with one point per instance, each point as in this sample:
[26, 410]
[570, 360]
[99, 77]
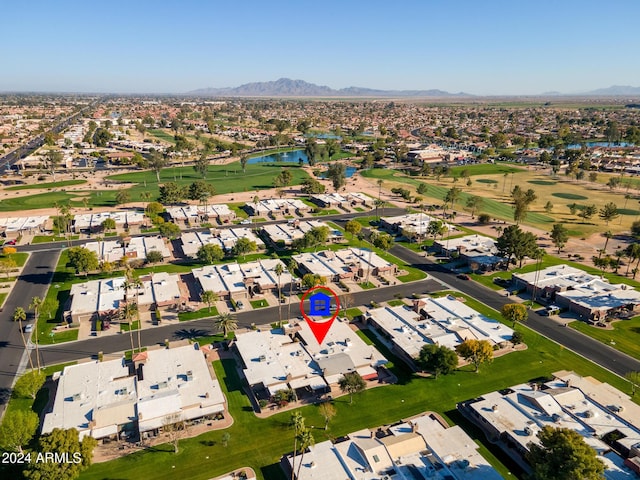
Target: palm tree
[306, 440]
[130, 310]
[537, 255]
[226, 323]
[19, 316]
[137, 284]
[209, 297]
[633, 252]
[608, 235]
[279, 270]
[36, 303]
[146, 196]
[292, 267]
[297, 422]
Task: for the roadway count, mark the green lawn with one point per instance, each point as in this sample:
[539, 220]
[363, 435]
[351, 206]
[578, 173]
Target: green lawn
[19, 257]
[225, 179]
[202, 313]
[367, 285]
[625, 335]
[135, 325]
[259, 443]
[484, 169]
[396, 303]
[51, 238]
[259, 303]
[3, 297]
[352, 313]
[63, 183]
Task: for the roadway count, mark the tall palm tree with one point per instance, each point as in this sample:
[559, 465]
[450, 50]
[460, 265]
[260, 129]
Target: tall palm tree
[226, 323]
[129, 311]
[633, 252]
[279, 270]
[137, 284]
[607, 235]
[19, 316]
[297, 422]
[292, 267]
[36, 303]
[306, 440]
[537, 255]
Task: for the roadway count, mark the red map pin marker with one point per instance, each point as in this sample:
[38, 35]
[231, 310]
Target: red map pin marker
[320, 305]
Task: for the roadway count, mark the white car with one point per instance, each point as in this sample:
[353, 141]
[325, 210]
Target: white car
[246, 221]
[28, 328]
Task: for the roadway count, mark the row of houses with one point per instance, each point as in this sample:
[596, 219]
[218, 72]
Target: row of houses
[116, 398]
[444, 321]
[420, 447]
[414, 225]
[133, 248]
[275, 207]
[284, 234]
[333, 200]
[606, 418]
[92, 222]
[344, 264]
[243, 280]
[225, 238]
[196, 214]
[13, 227]
[276, 360]
[589, 296]
[95, 299]
[477, 251]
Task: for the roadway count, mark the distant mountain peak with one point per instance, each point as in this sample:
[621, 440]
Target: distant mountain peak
[286, 87]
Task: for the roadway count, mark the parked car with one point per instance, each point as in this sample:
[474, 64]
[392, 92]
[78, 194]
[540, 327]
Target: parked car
[28, 328]
[11, 242]
[239, 305]
[246, 221]
[463, 276]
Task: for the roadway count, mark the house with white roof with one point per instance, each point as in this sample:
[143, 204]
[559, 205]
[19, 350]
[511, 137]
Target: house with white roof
[421, 447]
[478, 251]
[413, 224]
[589, 296]
[225, 238]
[275, 207]
[348, 263]
[284, 234]
[513, 417]
[103, 399]
[443, 321]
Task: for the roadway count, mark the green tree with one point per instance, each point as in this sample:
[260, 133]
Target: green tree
[82, 259]
[209, 297]
[101, 137]
[201, 166]
[122, 197]
[310, 280]
[210, 253]
[383, 241]
[157, 161]
[53, 158]
[154, 209]
[548, 207]
[588, 211]
[422, 188]
[169, 230]
[35, 305]
[559, 235]
[28, 385]
[283, 179]
[311, 186]
[226, 323]
[305, 439]
[199, 190]
[437, 359]
[353, 227]
[609, 212]
[108, 224]
[336, 173]
[563, 454]
[243, 163]
[17, 429]
[297, 422]
[452, 196]
[62, 442]
[243, 246]
[352, 383]
[514, 312]
[19, 315]
[516, 243]
[476, 352]
[171, 193]
[474, 204]
[327, 411]
[154, 256]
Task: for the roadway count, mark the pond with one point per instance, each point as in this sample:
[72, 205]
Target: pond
[286, 157]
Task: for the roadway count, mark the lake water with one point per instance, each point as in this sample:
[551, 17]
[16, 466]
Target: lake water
[292, 157]
[601, 144]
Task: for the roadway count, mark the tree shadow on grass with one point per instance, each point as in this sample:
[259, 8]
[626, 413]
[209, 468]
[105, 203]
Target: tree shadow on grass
[273, 472]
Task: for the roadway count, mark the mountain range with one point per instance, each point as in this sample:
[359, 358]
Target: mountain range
[286, 87]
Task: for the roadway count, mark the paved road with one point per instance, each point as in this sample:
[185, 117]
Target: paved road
[67, 352]
[33, 282]
[595, 351]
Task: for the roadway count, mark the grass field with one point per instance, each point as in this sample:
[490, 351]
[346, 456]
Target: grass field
[625, 335]
[259, 443]
[63, 183]
[224, 178]
[490, 182]
[19, 257]
[202, 313]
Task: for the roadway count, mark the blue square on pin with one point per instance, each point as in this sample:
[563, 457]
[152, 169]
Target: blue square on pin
[320, 304]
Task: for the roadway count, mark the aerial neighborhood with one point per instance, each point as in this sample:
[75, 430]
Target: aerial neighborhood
[233, 287]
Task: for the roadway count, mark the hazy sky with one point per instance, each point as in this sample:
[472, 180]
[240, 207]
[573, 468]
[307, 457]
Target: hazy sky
[487, 47]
